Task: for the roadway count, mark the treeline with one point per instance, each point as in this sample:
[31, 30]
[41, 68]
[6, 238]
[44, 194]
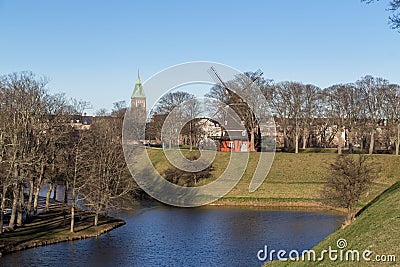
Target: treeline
[363, 115]
[360, 114]
[41, 142]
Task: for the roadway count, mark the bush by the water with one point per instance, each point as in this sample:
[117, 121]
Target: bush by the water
[349, 177]
[184, 178]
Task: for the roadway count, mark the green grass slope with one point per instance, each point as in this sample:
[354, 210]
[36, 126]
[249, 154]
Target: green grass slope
[295, 180]
[376, 228]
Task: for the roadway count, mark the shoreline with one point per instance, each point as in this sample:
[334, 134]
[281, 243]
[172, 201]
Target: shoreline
[54, 227]
[278, 205]
[107, 224]
[8, 249]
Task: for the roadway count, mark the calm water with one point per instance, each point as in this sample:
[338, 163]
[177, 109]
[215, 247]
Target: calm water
[209, 236]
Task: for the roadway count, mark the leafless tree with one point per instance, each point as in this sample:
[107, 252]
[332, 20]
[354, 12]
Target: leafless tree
[119, 109]
[373, 91]
[394, 6]
[240, 97]
[349, 177]
[392, 114]
[310, 110]
[176, 107]
[108, 178]
[336, 100]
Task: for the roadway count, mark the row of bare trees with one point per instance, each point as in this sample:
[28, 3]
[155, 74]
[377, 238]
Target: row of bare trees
[41, 142]
[363, 115]
[360, 114]
[175, 116]
[357, 114]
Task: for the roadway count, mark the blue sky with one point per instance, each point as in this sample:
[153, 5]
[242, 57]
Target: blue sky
[91, 50]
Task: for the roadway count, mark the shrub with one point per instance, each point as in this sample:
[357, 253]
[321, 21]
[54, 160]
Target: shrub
[349, 177]
[184, 178]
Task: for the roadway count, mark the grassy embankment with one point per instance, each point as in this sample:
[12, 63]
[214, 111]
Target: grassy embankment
[53, 227]
[295, 180]
[376, 228]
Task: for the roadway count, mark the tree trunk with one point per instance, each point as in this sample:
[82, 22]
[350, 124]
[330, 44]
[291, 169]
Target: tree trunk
[66, 192]
[96, 218]
[305, 137]
[36, 199]
[190, 137]
[37, 189]
[1, 219]
[55, 191]
[350, 138]
[30, 198]
[372, 141]
[284, 136]
[3, 205]
[20, 205]
[296, 138]
[14, 206]
[340, 142]
[48, 196]
[398, 140]
[252, 140]
[72, 217]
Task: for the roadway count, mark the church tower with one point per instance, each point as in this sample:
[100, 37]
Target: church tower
[138, 99]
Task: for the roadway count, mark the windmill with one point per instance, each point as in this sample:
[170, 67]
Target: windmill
[218, 80]
[239, 101]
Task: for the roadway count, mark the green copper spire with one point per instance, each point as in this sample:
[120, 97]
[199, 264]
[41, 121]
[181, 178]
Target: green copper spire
[138, 91]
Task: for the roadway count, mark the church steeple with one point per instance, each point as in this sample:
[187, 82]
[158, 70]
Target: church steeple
[138, 90]
[138, 100]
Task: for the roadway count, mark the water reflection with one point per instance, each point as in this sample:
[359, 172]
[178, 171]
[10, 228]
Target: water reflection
[207, 236]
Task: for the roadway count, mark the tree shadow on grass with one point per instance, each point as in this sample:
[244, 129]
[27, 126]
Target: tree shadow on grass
[394, 187]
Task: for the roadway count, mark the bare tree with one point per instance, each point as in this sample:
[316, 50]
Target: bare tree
[373, 91]
[276, 95]
[288, 100]
[108, 178]
[172, 100]
[238, 94]
[392, 114]
[311, 109]
[25, 99]
[336, 99]
[77, 174]
[119, 109]
[349, 177]
[394, 6]
[176, 107]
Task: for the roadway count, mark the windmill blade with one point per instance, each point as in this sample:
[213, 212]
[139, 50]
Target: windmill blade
[257, 75]
[217, 79]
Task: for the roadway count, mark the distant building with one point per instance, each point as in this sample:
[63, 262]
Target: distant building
[82, 122]
[138, 100]
[137, 114]
[234, 135]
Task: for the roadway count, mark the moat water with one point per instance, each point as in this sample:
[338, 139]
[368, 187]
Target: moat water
[207, 236]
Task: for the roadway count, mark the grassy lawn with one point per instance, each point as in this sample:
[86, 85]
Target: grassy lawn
[53, 227]
[294, 179]
[376, 228]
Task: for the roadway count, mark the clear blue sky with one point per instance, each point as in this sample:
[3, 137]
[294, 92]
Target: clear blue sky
[91, 50]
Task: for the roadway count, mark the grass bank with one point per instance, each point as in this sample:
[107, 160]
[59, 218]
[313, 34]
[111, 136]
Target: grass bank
[376, 228]
[53, 227]
[295, 180]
